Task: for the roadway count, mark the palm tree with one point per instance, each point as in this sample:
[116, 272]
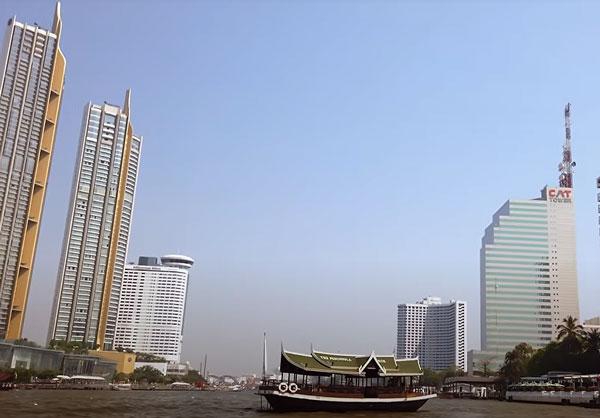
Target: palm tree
[569, 329]
[591, 341]
[515, 362]
[569, 334]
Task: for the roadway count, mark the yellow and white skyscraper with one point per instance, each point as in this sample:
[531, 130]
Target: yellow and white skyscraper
[32, 68]
[97, 230]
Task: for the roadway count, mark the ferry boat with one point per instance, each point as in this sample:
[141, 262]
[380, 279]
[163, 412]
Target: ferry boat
[565, 390]
[344, 382]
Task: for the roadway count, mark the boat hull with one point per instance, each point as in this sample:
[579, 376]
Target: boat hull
[286, 402]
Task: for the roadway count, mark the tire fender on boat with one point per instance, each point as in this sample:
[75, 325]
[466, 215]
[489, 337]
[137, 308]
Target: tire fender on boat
[293, 388]
[282, 387]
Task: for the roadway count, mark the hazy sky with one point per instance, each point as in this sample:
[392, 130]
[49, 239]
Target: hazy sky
[324, 161]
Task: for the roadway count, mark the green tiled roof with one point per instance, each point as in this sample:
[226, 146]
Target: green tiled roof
[321, 363]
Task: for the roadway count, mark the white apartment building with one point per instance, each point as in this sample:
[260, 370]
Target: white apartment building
[152, 306]
[32, 71]
[435, 332]
[528, 274]
[97, 229]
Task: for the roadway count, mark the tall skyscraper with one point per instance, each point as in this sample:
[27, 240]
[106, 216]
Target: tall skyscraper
[152, 306]
[435, 332]
[97, 229]
[528, 272]
[33, 72]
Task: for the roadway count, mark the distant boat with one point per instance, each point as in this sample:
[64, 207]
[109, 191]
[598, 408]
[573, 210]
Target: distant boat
[181, 386]
[122, 386]
[562, 389]
[7, 381]
[343, 382]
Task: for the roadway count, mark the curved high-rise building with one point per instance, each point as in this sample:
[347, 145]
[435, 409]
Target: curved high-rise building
[32, 68]
[152, 306]
[435, 332]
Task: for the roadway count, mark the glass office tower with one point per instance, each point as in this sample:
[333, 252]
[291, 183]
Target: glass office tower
[528, 273]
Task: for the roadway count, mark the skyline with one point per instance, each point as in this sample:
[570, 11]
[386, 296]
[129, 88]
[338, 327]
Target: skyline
[320, 218]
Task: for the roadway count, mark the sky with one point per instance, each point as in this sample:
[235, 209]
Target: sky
[325, 161]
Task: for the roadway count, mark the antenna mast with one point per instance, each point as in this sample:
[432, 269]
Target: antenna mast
[566, 166]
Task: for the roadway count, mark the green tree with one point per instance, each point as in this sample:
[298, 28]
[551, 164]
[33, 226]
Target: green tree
[23, 375]
[148, 358]
[451, 371]
[192, 377]
[590, 358]
[591, 341]
[25, 342]
[72, 347]
[515, 362]
[483, 368]
[569, 334]
[147, 374]
[46, 374]
[431, 378]
[120, 377]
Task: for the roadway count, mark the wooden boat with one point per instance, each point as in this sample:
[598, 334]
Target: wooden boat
[344, 382]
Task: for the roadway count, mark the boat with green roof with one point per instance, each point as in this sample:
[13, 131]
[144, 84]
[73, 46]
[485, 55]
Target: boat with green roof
[324, 381]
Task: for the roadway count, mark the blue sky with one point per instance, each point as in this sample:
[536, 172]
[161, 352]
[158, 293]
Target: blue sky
[324, 161]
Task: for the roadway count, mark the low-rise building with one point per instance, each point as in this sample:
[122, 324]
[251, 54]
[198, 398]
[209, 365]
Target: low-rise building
[592, 323]
[41, 359]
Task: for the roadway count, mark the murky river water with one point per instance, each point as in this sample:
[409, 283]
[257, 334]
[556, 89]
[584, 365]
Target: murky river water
[155, 404]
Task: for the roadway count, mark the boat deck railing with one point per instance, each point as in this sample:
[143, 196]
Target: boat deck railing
[273, 384]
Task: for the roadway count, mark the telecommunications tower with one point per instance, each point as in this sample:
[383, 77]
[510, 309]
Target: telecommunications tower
[567, 164]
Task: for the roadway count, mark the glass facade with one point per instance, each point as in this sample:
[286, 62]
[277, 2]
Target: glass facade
[37, 358]
[527, 273]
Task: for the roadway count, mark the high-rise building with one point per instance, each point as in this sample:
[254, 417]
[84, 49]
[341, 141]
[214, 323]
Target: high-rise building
[33, 71]
[97, 229]
[528, 273]
[152, 306]
[435, 332]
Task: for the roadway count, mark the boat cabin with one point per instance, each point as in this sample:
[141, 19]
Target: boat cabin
[348, 373]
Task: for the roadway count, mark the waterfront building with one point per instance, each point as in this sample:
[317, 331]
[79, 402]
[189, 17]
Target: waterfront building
[14, 355]
[433, 331]
[97, 228]
[528, 274]
[152, 306]
[32, 68]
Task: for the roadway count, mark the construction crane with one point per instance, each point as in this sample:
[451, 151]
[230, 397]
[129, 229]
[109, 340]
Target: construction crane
[566, 166]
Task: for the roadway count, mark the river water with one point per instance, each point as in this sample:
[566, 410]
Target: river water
[163, 404]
